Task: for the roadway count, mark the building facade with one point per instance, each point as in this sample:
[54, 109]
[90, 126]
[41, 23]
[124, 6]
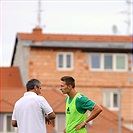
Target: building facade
[101, 65]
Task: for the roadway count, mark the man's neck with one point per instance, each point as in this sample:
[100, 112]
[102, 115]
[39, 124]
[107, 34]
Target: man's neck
[72, 93]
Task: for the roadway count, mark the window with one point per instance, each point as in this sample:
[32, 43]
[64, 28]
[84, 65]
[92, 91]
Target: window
[111, 99]
[120, 62]
[8, 123]
[115, 100]
[65, 61]
[60, 61]
[5, 123]
[108, 62]
[95, 61]
[1, 122]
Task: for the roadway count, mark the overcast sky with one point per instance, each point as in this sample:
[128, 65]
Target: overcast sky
[88, 17]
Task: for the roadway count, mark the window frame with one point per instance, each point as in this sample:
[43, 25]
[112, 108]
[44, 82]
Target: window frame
[103, 56]
[114, 65]
[111, 92]
[65, 61]
[4, 116]
[95, 69]
[126, 62]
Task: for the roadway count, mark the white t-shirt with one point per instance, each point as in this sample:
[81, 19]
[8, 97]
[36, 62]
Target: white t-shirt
[29, 112]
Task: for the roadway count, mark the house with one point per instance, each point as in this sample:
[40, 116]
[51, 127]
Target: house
[11, 90]
[101, 65]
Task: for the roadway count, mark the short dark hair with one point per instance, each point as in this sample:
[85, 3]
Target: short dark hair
[69, 80]
[31, 83]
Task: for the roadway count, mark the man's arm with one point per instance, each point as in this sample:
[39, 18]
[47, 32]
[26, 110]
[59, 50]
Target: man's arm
[94, 113]
[14, 123]
[50, 117]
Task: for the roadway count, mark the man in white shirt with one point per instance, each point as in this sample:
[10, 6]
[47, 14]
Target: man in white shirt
[32, 111]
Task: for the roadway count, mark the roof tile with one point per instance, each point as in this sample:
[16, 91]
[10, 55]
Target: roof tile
[10, 96]
[10, 77]
[38, 36]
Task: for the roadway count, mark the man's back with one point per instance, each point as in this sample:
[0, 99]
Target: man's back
[30, 113]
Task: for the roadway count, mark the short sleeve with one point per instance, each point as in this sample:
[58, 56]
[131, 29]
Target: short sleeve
[83, 103]
[45, 105]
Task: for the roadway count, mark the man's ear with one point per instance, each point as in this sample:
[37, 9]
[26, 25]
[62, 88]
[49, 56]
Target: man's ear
[35, 88]
[70, 86]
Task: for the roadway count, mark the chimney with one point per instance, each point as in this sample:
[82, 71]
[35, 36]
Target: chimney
[37, 34]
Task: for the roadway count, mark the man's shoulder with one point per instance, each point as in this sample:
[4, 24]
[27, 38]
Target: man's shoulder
[41, 98]
[19, 101]
[81, 97]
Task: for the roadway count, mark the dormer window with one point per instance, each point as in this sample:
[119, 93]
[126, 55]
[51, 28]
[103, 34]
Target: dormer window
[65, 61]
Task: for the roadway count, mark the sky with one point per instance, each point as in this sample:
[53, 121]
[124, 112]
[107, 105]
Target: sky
[89, 17]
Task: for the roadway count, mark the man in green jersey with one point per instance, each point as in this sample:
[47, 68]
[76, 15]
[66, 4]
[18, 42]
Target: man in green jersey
[76, 107]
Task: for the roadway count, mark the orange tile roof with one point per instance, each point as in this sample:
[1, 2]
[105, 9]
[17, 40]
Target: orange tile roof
[10, 96]
[10, 77]
[56, 99]
[38, 36]
[106, 121]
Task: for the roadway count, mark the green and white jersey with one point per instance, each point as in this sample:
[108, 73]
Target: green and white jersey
[76, 112]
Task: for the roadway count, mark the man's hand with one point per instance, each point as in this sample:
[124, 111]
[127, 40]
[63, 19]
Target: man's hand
[78, 127]
[47, 120]
[14, 123]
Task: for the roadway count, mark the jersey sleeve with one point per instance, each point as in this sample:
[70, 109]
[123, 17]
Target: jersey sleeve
[45, 105]
[84, 104]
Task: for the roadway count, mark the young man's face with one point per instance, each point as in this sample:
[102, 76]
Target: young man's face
[65, 88]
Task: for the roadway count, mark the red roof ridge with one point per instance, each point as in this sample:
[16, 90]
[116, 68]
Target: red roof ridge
[6, 101]
[38, 36]
[114, 122]
[104, 108]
